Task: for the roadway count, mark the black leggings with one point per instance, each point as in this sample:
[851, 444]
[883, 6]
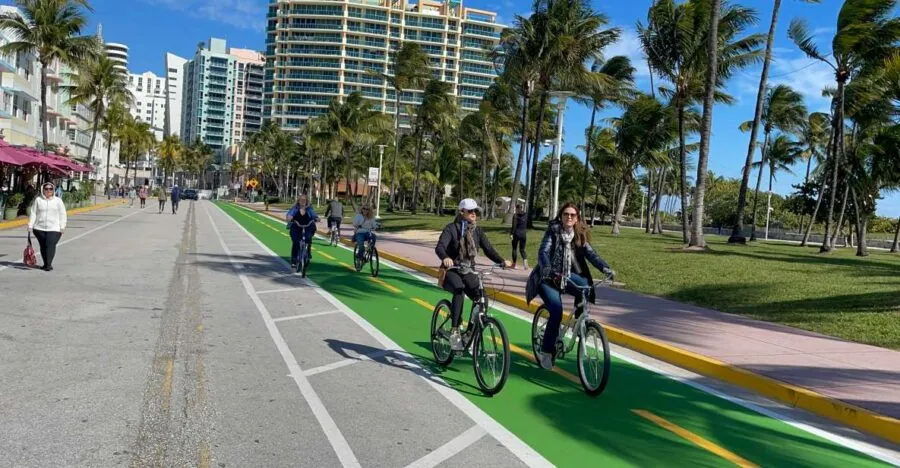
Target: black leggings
[520, 243]
[162, 204]
[459, 284]
[143, 202]
[47, 240]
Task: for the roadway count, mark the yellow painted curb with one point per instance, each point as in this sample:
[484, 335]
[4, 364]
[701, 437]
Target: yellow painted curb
[879, 425]
[99, 206]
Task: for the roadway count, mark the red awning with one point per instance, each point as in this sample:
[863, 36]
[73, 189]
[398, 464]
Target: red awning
[14, 156]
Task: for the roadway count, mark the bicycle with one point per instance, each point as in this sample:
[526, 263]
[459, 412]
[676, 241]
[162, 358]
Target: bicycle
[302, 259]
[334, 234]
[369, 255]
[485, 334]
[591, 339]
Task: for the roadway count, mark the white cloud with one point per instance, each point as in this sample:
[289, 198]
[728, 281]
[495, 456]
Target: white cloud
[809, 77]
[244, 14]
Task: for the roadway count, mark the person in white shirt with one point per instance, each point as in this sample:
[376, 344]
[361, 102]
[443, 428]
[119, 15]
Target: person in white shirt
[363, 223]
[47, 221]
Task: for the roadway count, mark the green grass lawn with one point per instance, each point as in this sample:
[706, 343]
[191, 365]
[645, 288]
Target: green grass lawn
[838, 294]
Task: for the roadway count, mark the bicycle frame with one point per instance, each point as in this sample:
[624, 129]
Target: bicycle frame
[476, 321]
[303, 228]
[579, 325]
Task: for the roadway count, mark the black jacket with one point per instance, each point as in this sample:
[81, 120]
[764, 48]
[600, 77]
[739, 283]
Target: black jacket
[519, 225]
[583, 255]
[448, 244]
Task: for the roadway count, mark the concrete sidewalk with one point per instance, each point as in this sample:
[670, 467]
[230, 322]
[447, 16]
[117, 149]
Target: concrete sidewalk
[861, 375]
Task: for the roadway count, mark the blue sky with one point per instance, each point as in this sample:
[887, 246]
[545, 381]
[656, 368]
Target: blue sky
[153, 27]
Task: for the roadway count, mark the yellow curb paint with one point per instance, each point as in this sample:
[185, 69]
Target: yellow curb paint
[23, 221]
[853, 416]
[694, 439]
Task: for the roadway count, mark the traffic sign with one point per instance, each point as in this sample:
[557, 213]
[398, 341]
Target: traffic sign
[373, 177]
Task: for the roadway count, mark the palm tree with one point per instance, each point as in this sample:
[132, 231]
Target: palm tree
[569, 35]
[867, 34]
[111, 125]
[412, 69]
[436, 113]
[614, 83]
[781, 155]
[98, 82]
[350, 123]
[169, 155]
[50, 30]
[814, 138]
[136, 139]
[784, 110]
[676, 40]
[737, 235]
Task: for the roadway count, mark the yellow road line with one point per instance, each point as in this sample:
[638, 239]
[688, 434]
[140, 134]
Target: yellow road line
[422, 303]
[347, 266]
[318, 251]
[694, 438]
[382, 283]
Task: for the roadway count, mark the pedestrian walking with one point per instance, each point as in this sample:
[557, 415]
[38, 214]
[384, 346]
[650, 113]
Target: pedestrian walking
[162, 198]
[142, 194]
[132, 194]
[47, 221]
[176, 197]
[517, 233]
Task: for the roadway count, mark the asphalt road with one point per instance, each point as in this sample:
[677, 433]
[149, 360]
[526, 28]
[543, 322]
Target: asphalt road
[183, 340]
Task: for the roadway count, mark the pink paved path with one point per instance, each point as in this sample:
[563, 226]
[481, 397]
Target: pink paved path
[862, 375]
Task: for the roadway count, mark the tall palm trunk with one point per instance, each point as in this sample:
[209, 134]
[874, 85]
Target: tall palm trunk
[840, 224]
[483, 180]
[697, 239]
[862, 225]
[837, 150]
[682, 169]
[805, 182]
[762, 165]
[895, 247]
[620, 205]
[346, 152]
[96, 123]
[396, 150]
[523, 146]
[43, 119]
[534, 153]
[649, 200]
[527, 174]
[587, 157]
[596, 195]
[108, 153]
[737, 234]
[812, 220]
[657, 222]
[415, 194]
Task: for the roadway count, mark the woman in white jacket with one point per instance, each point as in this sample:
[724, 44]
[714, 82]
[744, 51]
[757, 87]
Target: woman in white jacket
[47, 220]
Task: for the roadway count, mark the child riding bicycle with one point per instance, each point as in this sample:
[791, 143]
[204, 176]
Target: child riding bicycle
[301, 214]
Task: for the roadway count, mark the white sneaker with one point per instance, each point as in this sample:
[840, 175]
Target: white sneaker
[545, 360]
[526, 265]
[455, 341]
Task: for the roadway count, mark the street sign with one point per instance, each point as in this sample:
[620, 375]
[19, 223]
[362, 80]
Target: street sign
[373, 177]
[253, 183]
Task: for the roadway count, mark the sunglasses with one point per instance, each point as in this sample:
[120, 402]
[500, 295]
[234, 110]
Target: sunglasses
[477, 212]
[569, 215]
[48, 189]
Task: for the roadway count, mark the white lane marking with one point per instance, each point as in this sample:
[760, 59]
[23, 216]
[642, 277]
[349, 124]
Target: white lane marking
[448, 450]
[273, 291]
[874, 451]
[515, 445]
[303, 316]
[37, 252]
[346, 362]
[329, 427]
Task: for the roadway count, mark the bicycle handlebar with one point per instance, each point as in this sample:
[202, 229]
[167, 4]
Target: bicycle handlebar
[294, 221]
[481, 271]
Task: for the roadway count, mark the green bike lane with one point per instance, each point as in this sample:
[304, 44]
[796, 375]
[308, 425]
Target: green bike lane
[642, 419]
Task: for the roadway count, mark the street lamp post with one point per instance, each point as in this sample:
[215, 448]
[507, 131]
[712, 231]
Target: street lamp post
[769, 210]
[554, 167]
[378, 194]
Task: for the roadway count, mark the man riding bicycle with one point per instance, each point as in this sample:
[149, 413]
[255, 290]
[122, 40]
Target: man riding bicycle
[363, 224]
[300, 219]
[564, 253]
[458, 246]
[334, 214]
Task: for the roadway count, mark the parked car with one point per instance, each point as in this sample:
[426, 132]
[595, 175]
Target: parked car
[189, 194]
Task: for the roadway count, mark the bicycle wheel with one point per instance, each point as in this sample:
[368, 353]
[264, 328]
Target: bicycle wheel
[358, 260]
[301, 257]
[304, 254]
[334, 238]
[538, 326]
[374, 263]
[441, 323]
[593, 359]
[490, 356]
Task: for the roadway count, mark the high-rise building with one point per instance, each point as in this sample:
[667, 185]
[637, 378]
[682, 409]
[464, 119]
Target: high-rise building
[174, 93]
[248, 94]
[208, 102]
[316, 51]
[149, 103]
[118, 53]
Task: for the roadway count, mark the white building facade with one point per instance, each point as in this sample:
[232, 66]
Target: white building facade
[174, 93]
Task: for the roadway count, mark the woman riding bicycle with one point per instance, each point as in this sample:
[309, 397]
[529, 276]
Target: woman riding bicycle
[458, 246]
[363, 224]
[301, 214]
[564, 253]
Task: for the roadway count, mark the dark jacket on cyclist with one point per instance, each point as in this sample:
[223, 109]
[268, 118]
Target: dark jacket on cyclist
[303, 219]
[459, 242]
[550, 265]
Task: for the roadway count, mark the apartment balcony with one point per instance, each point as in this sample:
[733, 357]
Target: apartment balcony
[6, 67]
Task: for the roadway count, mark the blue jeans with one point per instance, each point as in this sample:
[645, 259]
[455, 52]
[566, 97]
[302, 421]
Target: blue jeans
[295, 242]
[360, 238]
[553, 301]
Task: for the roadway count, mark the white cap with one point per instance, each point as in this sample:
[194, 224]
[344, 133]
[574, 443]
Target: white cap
[468, 204]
